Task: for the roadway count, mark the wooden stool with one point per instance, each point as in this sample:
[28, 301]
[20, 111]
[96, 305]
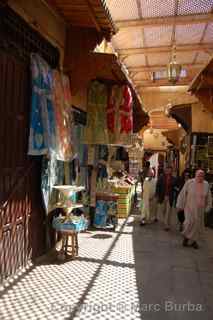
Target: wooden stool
[73, 237]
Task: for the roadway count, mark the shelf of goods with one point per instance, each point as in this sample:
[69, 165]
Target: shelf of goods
[125, 198]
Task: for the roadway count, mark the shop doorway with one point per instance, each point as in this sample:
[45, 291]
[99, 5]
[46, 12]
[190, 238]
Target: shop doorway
[22, 217]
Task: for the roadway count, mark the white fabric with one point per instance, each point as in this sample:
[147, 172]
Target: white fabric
[194, 216]
[149, 187]
[166, 212]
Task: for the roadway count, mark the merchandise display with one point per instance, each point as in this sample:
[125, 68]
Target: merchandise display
[51, 113]
[70, 222]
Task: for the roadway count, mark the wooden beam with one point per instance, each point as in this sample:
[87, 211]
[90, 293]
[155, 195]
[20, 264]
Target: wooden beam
[171, 20]
[92, 15]
[162, 67]
[162, 82]
[207, 79]
[163, 49]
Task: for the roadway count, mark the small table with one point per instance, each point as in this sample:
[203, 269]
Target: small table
[71, 235]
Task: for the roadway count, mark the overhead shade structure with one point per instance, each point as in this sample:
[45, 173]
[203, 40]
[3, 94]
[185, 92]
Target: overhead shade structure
[182, 114]
[140, 117]
[86, 14]
[172, 136]
[104, 66]
[202, 86]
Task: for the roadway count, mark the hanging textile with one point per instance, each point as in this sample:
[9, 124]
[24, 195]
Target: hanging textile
[80, 149]
[52, 173]
[119, 115]
[96, 129]
[113, 119]
[63, 114]
[126, 117]
[42, 138]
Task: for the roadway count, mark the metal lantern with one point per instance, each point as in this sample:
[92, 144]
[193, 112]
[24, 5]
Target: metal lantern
[174, 71]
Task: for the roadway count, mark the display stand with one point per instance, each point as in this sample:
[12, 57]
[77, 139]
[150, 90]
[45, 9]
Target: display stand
[69, 236]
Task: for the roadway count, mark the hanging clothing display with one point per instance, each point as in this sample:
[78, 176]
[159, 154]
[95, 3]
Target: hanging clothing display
[113, 121]
[42, 138]
[126, 117]
[63, 114]
[80, 149]
[52, 173]
[51, 114]
[96, 130]
[119, 115]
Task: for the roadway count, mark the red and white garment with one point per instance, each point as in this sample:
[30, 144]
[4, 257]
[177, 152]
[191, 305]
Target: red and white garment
[126, 118]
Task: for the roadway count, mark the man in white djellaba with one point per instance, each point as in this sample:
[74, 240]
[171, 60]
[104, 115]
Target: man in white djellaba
[195, 199]
[149, 187]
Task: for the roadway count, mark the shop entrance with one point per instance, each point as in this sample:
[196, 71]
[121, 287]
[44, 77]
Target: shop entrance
[22, 217]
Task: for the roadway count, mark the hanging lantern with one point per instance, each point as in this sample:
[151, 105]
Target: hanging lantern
[174, 69]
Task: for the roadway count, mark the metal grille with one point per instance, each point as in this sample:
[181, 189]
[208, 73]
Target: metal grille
[122, 9]
[157, 8]
[158, 36]
[158, 58]
[189, 33]
[185, 57]
[135, 60]
[141, 76]
[194, 6]
[132, 38]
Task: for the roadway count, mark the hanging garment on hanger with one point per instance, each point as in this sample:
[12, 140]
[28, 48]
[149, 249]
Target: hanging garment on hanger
[63, 114]
[96, 130]
[126, 117]
[119, 115]
[113, 117]
[42, 139]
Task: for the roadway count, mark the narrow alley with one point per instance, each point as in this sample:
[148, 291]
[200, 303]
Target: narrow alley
[133, 273]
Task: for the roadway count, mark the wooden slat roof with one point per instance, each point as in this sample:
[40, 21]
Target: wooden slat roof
[204, 79]
[148, 32]
[85, 13]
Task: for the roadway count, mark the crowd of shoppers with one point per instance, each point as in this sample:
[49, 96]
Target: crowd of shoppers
[189, 198]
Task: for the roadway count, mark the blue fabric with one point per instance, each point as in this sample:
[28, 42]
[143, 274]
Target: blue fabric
[42, 138]
[100, 214]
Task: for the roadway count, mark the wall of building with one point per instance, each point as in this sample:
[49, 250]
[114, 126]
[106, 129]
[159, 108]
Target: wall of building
[42, 18]
[154, 139]
[202, 119]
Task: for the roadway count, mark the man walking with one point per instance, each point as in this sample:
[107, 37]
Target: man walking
[195, 199]
[165, 195]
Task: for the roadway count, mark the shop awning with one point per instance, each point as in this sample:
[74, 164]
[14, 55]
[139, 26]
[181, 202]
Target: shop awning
[86, 13]
[182, 114]
[172, 136]
[202, 86]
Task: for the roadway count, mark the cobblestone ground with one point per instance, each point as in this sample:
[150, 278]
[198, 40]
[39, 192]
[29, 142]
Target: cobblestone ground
[133, 273]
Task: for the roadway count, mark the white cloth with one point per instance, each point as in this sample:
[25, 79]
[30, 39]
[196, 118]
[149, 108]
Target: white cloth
[194, 216]
[149, 187]
[166, 212]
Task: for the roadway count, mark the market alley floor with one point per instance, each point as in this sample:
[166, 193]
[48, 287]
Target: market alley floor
[133, 273]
